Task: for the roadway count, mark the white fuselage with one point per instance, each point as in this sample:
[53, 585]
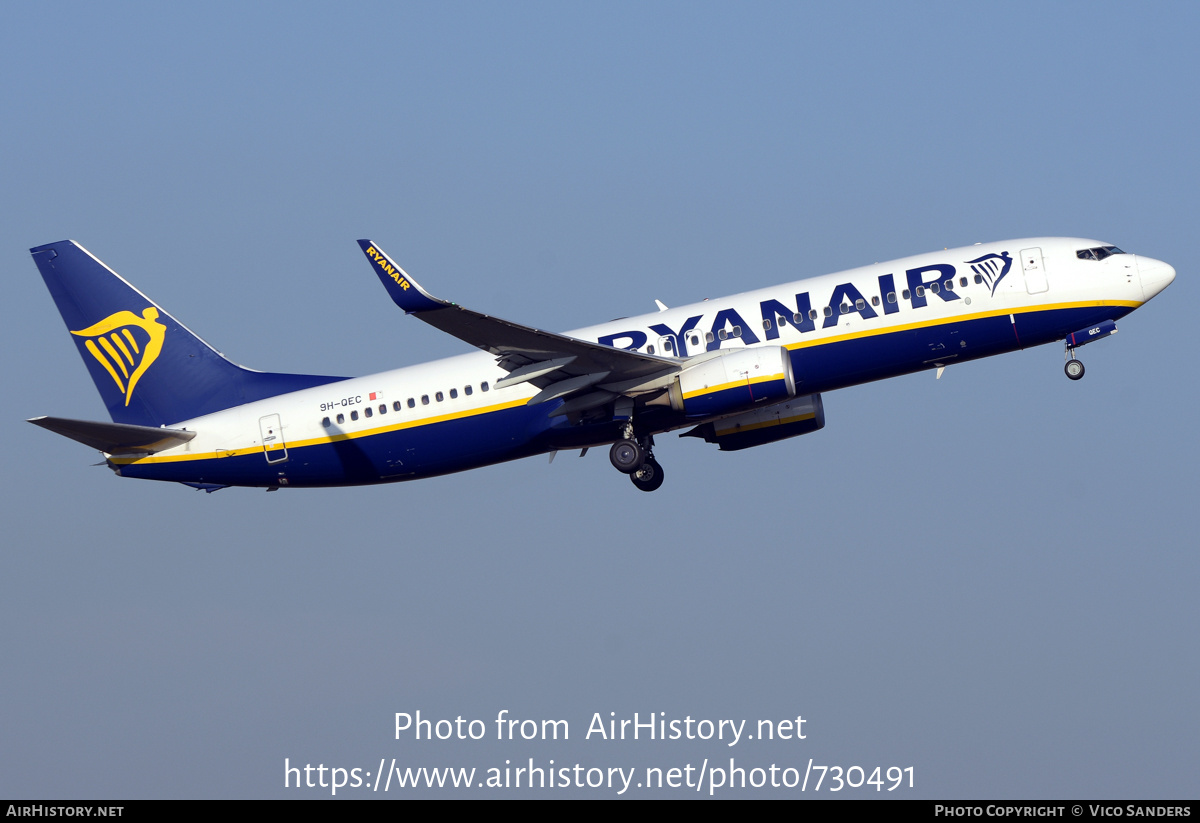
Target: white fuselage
[876, 304]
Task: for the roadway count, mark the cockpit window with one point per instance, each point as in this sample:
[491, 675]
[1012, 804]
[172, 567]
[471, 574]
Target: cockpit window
[1098, 253]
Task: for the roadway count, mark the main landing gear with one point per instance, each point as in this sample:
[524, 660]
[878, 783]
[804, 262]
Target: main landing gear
[649, 477]
[632, 455]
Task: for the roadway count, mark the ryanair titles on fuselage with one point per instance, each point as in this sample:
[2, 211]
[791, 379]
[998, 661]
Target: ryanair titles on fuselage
[845, 299]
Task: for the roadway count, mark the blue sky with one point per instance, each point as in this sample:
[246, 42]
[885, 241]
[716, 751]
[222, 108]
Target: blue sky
[990, 577]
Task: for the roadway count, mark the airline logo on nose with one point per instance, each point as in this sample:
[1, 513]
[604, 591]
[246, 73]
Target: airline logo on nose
[992, 268]
[125, 345]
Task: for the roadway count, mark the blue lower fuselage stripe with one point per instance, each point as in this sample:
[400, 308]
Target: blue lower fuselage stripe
[822, 368]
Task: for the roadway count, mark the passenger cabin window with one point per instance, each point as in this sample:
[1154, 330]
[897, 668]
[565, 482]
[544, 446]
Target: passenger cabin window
[766, 325]
[828, 311]
[845, 308]
[874, 299]
[396, 405]
[860, 304]
[325, 422]
[906, 294]
[467, 390]
[353, 415]
[812, 314]
[962, 281]
[978, 279]
[412, 404]
[440, 397]
[891, 297]
[424, 400]
[483, 386]
[933, 287]
[367, 411]
[341, 418]
[453, 393]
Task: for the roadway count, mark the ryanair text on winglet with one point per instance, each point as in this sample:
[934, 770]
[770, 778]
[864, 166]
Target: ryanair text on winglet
[392, 271]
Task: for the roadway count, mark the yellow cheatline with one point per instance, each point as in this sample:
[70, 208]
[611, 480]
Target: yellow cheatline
[334, 438]
[767, 423]
[511, 404]
[874, 332]
[766, 378]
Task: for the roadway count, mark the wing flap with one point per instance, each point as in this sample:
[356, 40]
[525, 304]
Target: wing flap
[531, 371]
[565, 387]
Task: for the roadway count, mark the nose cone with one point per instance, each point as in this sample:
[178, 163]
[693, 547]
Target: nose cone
[1155, 275]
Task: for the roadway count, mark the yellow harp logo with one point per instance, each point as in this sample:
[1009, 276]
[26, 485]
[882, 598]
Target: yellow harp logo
[125, 345]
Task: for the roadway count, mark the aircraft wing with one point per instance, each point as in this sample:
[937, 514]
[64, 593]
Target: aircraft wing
[557, 364]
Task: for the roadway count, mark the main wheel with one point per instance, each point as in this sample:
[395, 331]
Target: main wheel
[1074, 369]
[626, 456]
[649, 477]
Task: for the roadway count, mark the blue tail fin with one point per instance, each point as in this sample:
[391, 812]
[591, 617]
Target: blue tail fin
[149, 368]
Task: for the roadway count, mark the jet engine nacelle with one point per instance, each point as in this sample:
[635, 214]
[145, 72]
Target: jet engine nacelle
[741, 379]
[791, 418]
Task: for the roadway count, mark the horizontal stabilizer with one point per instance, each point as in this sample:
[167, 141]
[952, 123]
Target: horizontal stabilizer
[115, 438]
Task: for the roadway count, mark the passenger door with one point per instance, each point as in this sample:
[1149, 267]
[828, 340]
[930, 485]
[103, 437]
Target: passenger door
[1035, 271]
[272, 438]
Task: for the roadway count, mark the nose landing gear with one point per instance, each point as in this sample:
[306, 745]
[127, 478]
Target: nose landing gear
[1074, 368]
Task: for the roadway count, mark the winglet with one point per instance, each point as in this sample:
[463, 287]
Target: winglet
[403, 290]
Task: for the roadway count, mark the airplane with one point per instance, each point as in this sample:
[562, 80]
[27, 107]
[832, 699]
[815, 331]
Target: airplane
[737, 372]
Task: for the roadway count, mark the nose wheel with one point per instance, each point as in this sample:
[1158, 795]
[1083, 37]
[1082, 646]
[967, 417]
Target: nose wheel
[1073, 367]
